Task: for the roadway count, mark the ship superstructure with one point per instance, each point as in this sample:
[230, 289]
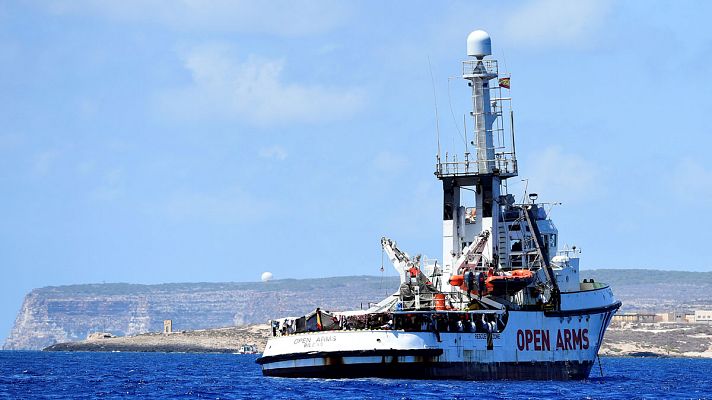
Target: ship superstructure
[503, 303]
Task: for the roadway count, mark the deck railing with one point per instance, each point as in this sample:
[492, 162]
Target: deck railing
[504, 164]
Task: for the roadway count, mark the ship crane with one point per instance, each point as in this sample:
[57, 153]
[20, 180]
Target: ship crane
[416, 290]
[403, 264]
[471, 256]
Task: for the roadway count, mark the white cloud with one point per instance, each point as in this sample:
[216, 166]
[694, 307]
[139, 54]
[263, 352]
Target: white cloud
[87, 108]
[522, 25]
[562, 177]
[227, 207]
[85, 167]
[388, 162]
[111, 185]
[274, 152]
[277, 17]
[550, 22]
[10, 140]
[254, 90]
[44, 162]
[413, 216]
[691, 181]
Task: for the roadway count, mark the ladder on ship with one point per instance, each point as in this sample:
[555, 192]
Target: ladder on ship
[526, 255]
[503, 245]
[543, 255]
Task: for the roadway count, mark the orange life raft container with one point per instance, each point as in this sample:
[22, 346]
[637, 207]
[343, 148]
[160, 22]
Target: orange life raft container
[509, 284]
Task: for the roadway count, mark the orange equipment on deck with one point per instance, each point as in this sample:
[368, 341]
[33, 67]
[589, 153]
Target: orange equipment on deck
[500, 284]
[440, 302]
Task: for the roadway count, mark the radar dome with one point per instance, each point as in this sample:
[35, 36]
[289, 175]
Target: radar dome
[479, 44]
[266, 276]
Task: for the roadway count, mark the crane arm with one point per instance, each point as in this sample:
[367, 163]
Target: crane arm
[472, 253]
[400, 260]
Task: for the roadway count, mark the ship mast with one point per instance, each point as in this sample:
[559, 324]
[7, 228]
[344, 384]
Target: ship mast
[465, 218]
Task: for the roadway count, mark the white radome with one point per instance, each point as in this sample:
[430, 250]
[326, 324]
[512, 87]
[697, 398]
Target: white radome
[479, 44]
[266, 276]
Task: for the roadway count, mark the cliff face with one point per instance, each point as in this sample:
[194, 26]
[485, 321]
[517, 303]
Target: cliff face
[33, 326]
[68, 313]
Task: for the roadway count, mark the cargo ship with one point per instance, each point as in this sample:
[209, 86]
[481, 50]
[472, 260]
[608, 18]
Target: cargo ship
[503, 302]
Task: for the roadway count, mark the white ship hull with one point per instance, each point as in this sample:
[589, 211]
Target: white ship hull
[558, 345]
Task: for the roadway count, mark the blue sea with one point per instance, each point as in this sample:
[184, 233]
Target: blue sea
[25, 375]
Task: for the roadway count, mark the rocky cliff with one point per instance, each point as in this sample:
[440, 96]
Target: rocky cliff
[69, 313]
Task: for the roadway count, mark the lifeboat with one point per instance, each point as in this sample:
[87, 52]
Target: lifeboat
[498, 285]
[457, 280]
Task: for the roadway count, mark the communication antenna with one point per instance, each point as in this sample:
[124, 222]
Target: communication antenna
[452, 113]
[551, 207]
[526, 186]
[504, 61]
[437, 119]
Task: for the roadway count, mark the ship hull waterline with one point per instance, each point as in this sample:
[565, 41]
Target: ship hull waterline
[552, 370]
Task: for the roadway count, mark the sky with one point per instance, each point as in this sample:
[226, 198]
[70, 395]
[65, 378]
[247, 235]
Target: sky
[183, 141]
